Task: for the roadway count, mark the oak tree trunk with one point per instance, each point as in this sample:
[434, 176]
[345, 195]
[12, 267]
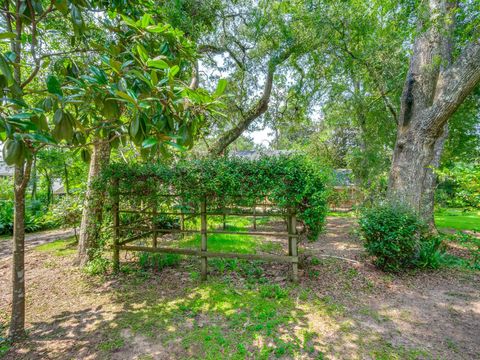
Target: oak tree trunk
[435, 87]
[93, 206]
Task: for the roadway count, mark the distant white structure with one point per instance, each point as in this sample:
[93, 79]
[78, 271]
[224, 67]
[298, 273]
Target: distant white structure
[57, 187]
[5, 170]
[255, 154]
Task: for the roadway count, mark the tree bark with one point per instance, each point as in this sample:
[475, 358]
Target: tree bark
[435, 87]
[258, 109]
[430, 183]
[93, 206]
[17, 322]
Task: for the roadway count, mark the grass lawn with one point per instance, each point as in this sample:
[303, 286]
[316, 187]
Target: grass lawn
[458, 219]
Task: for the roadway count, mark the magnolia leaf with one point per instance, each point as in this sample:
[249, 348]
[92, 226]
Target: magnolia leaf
[134, 127]
[6, 71]
[142, 52]
[14, 152]
[157, 28]
[158, 64]
[176, 146]
[149, 142]
[41, 138]
[173, 71]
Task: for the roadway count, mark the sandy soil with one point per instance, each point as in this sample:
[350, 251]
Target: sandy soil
[69, 314]
[34, 239]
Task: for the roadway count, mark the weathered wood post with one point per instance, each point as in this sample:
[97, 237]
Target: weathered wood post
[153, 224]
[292, 244]
[224, 215]
[203, 259]
[116, 224]
[255, 217]
[182, 223]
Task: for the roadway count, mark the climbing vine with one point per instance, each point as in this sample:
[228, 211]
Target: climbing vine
[293, 183]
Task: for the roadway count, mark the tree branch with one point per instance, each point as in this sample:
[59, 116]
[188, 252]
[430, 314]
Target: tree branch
[259, 108]
[454, 85]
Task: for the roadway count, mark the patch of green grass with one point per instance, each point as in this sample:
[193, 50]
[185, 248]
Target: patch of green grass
[457, 219]
[111, 345]
[387, 351]
[230, 242]
[157, 261]
[221, 320]
[343, 214]
[61, 247]
[224, 242]
[471, 244]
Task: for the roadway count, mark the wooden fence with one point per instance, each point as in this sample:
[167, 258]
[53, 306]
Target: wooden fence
[120, 243]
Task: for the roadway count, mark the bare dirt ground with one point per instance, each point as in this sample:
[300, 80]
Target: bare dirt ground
[346, 308]
[35, 239]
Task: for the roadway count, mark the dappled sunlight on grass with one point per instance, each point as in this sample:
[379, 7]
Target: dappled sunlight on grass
[458, 219]
[59, 247]
[223, 242]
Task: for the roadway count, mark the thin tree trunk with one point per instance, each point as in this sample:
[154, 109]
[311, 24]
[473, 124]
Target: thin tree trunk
[93, 205]
[34, 179]
[17, 322]
[67, 183]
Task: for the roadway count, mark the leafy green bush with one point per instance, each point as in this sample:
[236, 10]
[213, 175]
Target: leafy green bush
[398, 239]
[33, 218]
[97, 266]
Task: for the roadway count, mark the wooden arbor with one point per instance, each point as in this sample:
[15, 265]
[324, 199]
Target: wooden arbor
[155, 204]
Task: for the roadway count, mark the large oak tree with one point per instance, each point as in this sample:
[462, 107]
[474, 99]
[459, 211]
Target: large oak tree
[437, 83]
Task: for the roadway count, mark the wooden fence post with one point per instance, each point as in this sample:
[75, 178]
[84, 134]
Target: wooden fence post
[182, 224]
[154, 225]
[255, 217]
[292, 244]
[116, 224]
[203, 259]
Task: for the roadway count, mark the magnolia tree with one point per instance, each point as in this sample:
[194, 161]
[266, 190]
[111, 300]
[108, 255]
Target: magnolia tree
[88, 87]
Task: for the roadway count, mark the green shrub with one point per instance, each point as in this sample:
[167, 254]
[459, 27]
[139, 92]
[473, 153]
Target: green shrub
[154, 261]
[33, 218]
[393, 235]
[97, 266]
[291, 182]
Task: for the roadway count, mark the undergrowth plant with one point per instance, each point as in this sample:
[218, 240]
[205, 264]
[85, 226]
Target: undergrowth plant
[398, 239]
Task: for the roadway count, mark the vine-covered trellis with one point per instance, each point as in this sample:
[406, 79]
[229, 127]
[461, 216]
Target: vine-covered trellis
[151, 200]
